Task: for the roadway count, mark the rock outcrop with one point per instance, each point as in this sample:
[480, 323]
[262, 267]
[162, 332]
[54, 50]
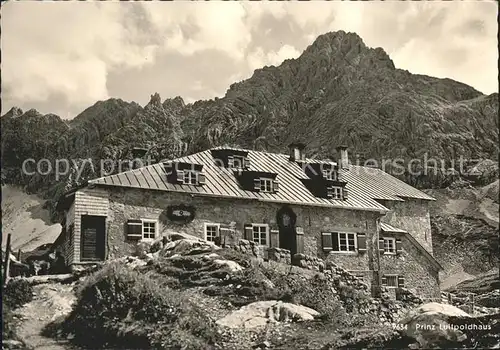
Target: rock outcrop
[261, 313]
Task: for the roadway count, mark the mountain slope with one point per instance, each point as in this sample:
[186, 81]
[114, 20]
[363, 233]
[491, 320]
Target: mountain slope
[25, 217]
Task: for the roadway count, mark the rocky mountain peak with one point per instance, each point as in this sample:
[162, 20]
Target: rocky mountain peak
[14, 112]
[155, 101]
[341, 45]
[32, 113]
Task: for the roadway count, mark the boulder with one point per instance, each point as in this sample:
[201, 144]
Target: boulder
[187, 247]
[260, 313]
[292, 312]
[429, 324]
[249, 316]
[231, 265]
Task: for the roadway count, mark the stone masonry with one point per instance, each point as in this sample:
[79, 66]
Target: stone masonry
[130, 203]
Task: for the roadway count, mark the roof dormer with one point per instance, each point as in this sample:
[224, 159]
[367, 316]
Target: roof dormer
[258, 181]
[231, 158]
[183, 173]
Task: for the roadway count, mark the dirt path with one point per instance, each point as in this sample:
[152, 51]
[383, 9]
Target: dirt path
[50, 302]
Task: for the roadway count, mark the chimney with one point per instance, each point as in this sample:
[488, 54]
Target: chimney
[297, 151]
[344, 157]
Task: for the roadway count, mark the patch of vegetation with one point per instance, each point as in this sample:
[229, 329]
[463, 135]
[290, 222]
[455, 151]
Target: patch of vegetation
[119, 307]
[17, 292]
[245, 287]
[7, 322]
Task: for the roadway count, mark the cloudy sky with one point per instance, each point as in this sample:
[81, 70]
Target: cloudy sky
[62, 57]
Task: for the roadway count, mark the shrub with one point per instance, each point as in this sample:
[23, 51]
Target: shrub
[17, 292]
[121, 307]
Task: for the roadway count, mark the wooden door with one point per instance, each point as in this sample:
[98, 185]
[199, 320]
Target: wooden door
[287, 235]
[93, 238]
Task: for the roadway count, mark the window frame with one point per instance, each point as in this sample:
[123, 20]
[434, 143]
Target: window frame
[149, 221]
[264, 180]
[336, 190]
[355, 235]
[393, 240]
[212, 224]
[329, 174]
[190, 174]
[266, 226]
[240, 160]
[396, 277]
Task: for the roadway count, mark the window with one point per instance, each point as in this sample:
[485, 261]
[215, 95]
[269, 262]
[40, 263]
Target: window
[238, 162]
[390, 281]
[148, 229]
[329, 174]
[260, 234]
[211, 232]
[344, 242]
[389, 245]
[336, 192]
[266, 185]
[190, 177]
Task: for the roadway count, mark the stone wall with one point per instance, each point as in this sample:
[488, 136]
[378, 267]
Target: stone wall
[139, 204]
[419, 274]
[308, 262]
[125, 204]
[279, 255]
[247, 247]
[413, 216]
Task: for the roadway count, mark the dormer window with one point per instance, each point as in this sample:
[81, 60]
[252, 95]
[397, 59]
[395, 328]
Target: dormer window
[329, 174]
[238, 162]
[266, 185]
[335, 192]
[190, 177]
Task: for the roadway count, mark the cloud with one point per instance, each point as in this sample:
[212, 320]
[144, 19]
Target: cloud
[55, 48]
[452, 39]
[259, 58]
[190, 27]
[64, 56]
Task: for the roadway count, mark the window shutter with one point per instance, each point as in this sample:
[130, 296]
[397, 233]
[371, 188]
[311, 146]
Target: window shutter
[381, 245]
[246, 162]
[401, 282]
[256, 184]
[361, 242]
[274, 240]
[230, 162]
[201, 179]
[134, 229]
[326, 239]
[276, 186]
[335, 240]
[249, 232]
[345, 193]
[399, 246]
[329, 192]
[300, 243]
[384, 281]
[180, 176]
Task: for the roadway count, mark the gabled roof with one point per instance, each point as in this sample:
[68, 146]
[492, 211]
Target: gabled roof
[221, 182]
